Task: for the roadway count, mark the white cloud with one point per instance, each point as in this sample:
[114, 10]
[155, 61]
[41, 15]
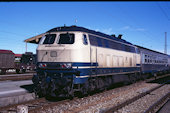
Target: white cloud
[97, 30]
[108, 31]
[132, 29]
[125, 28]
[140, 29]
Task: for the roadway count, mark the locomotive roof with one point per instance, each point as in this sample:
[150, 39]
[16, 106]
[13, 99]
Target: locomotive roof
[37, 38]
[77, 28]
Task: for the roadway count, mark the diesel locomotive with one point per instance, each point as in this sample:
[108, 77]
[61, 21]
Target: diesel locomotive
[76, 59]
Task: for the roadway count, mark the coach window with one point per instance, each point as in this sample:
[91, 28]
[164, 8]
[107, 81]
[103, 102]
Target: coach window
[67, 38]
[85, 39]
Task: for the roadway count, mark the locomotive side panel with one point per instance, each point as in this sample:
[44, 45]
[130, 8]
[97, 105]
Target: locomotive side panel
[114, 57]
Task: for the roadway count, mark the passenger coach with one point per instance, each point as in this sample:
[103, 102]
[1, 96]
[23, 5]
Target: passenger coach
[153, 61]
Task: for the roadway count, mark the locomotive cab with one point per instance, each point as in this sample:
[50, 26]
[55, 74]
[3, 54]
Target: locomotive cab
[63, 47]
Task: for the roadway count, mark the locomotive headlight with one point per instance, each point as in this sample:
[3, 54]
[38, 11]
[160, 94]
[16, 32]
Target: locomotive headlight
[42, 65]
[66, 65]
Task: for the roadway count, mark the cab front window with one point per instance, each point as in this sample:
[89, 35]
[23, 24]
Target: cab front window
[67, 38]
[49, 39]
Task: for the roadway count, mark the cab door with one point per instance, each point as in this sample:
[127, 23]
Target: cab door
[93, 54]
[93, 59]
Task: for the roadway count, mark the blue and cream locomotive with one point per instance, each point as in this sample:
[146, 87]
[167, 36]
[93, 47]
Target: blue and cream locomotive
[76, 59]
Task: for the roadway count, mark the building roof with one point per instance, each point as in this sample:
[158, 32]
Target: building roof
[6, 51]
[34, 39]
[18, 55]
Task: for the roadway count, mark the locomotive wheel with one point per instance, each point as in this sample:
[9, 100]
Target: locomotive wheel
[132, 78]
[100, 84]
[51, 89]
[92, 86]
[41, 88]
[70, 91]
[38, 92]
[109, 82]
[71, 94]
[84, 89]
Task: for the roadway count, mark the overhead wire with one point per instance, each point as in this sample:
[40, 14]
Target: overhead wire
[145, 33]
[165, 14]
[130, 25]
[17, 34]
[163, 11]
[167, 6]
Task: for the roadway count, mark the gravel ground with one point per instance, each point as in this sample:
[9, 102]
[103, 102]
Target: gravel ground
[144, 103]
[100, 102]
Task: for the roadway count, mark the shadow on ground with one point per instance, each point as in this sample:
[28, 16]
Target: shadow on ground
[29, 88]
[165, 80]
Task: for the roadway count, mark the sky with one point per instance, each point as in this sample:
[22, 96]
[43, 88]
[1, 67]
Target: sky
[141, 23]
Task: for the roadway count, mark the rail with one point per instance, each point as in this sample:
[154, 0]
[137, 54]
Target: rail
[129, 101]
[161, 101]
[33, 106]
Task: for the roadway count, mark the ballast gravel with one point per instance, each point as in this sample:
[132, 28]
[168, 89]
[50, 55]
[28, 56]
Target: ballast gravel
[141, 105]
[101, 102]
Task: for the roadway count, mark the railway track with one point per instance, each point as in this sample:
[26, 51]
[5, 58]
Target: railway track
[154, 108]
[33, 106]
[165, 108]
[13, 108]
[129, 101]
[78, 104]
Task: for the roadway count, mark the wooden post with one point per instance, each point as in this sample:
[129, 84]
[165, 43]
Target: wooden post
[26, 47]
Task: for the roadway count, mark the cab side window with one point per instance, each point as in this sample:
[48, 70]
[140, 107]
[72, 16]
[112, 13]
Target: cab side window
[85, 39]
